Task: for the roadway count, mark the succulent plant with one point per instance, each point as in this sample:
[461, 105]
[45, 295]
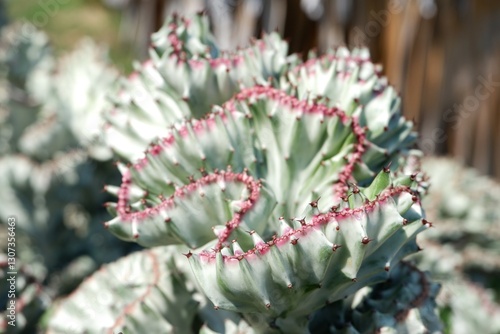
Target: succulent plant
[46, 177]
[49, 181]
[402, 304]
[276, 195]
[467, 237]
[185, 49]
[3, 15]
[19, 56]
[141, 292]
[284, 195]
[465, 306]
[453, 188]
[30, 297]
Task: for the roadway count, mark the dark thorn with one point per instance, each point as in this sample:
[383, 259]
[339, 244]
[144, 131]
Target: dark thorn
[302, 221]
[203, 171]
[387, 169]
[335, 247]
[294, 241]
[314, 204]
[365, 240]
[405, 221]
[188, 254]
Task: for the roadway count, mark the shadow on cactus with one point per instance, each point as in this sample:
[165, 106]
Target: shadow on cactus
[285, 182]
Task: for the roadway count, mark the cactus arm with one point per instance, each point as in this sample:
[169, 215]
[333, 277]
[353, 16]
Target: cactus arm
[139, 293]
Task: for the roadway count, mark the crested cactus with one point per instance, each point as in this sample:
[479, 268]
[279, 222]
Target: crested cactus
[277, 195]
[285, 181]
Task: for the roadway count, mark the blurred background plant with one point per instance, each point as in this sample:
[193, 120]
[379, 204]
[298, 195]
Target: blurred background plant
[52, 168]
[444, 58]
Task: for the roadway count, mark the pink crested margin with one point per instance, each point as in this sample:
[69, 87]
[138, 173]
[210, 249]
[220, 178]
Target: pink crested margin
[313, 64]
[253, 186]
[293, 235]
[341, 188]
[230, 60]
[304, 107]
[209, 123]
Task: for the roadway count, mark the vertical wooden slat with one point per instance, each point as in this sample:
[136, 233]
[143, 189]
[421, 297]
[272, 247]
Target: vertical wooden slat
[300, 31]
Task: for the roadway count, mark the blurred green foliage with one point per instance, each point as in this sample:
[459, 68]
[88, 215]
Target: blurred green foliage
[66, 22]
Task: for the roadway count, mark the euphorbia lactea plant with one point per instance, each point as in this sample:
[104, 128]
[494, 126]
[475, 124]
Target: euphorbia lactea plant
[284, 181]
